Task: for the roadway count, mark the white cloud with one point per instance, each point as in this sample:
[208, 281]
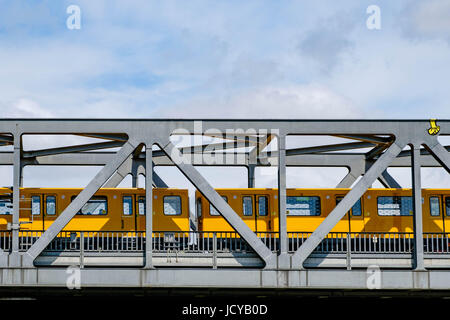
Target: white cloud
[24, 108]
[289, 102]
[431, 18]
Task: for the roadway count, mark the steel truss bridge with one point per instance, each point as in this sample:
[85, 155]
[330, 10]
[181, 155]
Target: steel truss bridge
[242, 258]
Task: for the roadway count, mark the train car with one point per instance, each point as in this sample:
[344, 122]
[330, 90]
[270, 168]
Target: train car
[306, 209]
[378, 210]
[256, 207]
[110, 209]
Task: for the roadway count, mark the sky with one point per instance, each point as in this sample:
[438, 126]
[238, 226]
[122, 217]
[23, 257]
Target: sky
[225, 59]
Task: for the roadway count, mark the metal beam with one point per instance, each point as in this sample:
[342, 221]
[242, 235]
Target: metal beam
[68, 213]
[346, 204]
[284, 262]
[423, 152]
[77, 148]
[418, 258]
[159, 183]
[388, 181]
[349, 179]
[106, 136]
[440, 154]
[320, 149]
[366, 138]
[148, 209]
[219, 204]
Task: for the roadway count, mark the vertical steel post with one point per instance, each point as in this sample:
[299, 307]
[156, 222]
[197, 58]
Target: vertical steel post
[418, 257]
[283, 261]
[251, 175]
[14, 260]
[149, 207]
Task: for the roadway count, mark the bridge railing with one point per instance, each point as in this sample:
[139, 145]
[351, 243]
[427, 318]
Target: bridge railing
[5, 240]
[223, 242]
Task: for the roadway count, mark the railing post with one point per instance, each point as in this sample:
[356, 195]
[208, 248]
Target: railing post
[349, 252]
[81, 249]
[214, 250]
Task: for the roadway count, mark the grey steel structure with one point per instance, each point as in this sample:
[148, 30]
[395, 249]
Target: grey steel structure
[390, 143]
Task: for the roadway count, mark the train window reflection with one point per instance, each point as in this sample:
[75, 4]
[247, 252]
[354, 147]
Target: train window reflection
[50, 205]
[303, 206]
[141, 206]
[96, 206]
[435, 209]
[395, 206]
[172, 205]
[35, 205]
[6, 206]
[247, 206]
[213, 211]
[127, 205]
[263, 206]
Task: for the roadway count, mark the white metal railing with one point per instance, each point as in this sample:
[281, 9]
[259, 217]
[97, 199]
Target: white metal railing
[357, 242]
[5, 240]
[222, 242]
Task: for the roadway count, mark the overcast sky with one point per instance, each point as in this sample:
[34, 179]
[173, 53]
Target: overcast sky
[208, 59]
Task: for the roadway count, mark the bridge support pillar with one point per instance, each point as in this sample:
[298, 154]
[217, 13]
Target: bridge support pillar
[149, 208]
[418, 258]
[284, 260]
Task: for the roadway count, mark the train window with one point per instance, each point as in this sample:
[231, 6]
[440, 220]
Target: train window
[50, 205]
[172, 205]
[263, 206]
[395, 206]
[141, 206]
[213, 211]
[247, 206]
[198, 207]
[127, 204]
[94, 207]
[35, 205]
[447, 206]
[303, 206]
[435, 210]
[6, 206]
[356, 209]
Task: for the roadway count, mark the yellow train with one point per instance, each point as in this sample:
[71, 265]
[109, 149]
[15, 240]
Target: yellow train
[115, 209]
[378, 210]
[121, 209]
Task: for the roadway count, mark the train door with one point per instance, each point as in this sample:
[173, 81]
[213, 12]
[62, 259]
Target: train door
[263, 218]
[6, 210]
[446, 211]
[140, 212]
[30, 209]
[128, 217]
[354, 217]
[433, 216]
[248, 210]
[50, 212]
[255, 212]
[36, 220]
[344, 224]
